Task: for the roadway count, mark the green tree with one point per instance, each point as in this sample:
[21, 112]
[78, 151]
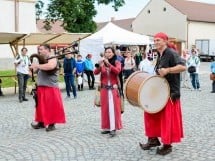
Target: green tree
[77, 15]
[39, 6]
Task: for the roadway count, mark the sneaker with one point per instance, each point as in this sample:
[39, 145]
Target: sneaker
[199, 89]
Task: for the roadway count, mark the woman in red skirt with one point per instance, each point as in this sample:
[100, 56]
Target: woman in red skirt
[109, 68]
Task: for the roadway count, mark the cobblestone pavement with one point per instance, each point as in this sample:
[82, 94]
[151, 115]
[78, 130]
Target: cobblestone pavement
[80, 138]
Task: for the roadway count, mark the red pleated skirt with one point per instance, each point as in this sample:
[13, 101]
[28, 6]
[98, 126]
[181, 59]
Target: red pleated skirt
[50, 108]
[166, 124]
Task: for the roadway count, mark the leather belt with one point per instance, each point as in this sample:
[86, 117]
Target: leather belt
[114, 86]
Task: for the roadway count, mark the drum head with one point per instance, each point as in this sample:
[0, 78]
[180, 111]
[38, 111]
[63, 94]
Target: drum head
[154, 94]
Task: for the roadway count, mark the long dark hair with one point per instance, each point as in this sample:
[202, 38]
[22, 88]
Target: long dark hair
[114, 58]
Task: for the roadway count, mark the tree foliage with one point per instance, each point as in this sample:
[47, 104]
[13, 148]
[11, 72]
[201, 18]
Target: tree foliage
[115, 3]
[39, 6]
[77, 15]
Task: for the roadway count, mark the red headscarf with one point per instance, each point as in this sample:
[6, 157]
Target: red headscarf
[161, 35]
[164, 36]
[172, 45]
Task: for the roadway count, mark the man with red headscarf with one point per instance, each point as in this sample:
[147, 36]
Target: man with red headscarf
[166, 124]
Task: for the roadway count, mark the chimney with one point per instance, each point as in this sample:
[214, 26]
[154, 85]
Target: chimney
[112, 19]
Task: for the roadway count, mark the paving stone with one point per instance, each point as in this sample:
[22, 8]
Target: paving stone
[80, 138]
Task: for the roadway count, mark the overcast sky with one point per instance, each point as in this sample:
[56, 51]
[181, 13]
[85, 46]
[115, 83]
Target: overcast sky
[129, 10]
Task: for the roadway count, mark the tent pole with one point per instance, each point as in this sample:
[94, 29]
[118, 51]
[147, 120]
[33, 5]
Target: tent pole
[13, 48]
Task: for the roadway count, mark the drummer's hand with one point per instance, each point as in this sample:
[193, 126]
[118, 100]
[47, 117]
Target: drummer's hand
[163, 71]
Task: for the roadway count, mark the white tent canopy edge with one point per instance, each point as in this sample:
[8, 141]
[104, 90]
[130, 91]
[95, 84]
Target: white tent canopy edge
[110, 35]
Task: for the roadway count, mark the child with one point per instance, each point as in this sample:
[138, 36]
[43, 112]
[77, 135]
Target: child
[80, 72]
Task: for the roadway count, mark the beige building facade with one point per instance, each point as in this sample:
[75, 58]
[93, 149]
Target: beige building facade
[15, 16]
[185, 21]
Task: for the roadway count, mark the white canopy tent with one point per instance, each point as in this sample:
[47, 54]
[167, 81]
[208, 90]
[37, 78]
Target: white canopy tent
[110, 35]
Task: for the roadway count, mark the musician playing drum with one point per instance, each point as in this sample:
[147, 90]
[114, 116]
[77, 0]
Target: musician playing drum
[166, 124]
[49, 109]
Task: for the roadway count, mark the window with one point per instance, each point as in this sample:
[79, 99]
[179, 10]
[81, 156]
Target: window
[148, 11]
[203, 46]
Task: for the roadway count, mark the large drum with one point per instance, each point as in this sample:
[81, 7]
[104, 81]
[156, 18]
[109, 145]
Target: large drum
[149, 92]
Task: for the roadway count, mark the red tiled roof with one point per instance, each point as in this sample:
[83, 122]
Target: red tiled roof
[123, 23]
[195, 11]
[56, 27]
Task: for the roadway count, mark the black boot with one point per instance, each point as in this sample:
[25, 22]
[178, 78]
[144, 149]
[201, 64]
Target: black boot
[112, 133]
[39, 125]
[105, 132]
[164, 150]
[51, 127]
[152, 142]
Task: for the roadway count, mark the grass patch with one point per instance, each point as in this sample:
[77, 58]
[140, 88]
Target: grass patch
[9, 81]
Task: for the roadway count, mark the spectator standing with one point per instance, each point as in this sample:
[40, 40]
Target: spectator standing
[80, 72]
[89, 71]
[138, 58]
[185, 75]
[22, 64]
[69, 66]
[146, 65]
[129, 65]
[194, 61]
[213, 72]
[121, 59]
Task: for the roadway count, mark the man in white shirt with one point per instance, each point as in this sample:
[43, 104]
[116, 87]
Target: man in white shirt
[22, 64]
[146, 65]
